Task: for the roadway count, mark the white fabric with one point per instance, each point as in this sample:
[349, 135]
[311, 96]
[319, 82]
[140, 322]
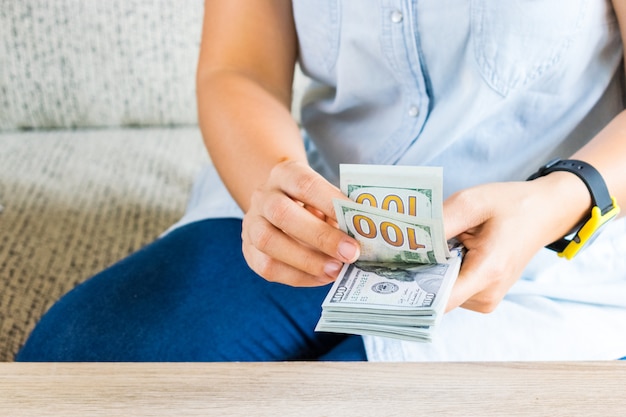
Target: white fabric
[73, 63]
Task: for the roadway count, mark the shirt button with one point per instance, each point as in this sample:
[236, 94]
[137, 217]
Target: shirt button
[414, 111]
[396, 16]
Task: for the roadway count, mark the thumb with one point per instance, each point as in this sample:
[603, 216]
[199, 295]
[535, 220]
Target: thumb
[463, 211]
[465, 286]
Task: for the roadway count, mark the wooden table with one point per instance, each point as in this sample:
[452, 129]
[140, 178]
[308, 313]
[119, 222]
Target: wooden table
[313, 389]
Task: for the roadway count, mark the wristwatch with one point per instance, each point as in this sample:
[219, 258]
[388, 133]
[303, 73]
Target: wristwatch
[603, 210]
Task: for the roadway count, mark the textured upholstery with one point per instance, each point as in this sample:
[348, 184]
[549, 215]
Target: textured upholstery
[77, 201]
[85, 63]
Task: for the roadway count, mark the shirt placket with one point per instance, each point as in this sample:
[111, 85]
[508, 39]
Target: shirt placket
[401, 46]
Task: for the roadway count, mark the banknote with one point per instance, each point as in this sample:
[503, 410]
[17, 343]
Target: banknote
[411, 190]
[395, 288]
[400, 285]
[387, 236]
[407, 299]
[413, 334]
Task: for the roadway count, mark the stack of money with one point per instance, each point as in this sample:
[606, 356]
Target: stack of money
[400, 285]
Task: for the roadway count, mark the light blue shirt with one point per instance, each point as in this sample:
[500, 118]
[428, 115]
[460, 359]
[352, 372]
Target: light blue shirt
[457, 83]
[489, 90]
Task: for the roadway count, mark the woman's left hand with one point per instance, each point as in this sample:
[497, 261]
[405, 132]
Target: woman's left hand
[502, 226]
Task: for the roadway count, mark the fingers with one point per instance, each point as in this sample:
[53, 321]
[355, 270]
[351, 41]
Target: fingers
[480, 286]
[490, 221]
[289, 234]
[298, 201]
[263, 244]
[460, 212]
[298, 222]
[303, 184]
[279, 258]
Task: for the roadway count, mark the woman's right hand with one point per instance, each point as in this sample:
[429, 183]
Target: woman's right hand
[244, 84]
[290, 232]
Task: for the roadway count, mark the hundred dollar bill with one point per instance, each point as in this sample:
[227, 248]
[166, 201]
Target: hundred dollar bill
[380, 317]
[396, 289]
[416, 191]
[387, 236]
[400, 285]
[411, 190]
[403, 300]
[413, 334]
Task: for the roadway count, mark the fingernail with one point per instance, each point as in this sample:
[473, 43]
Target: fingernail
[348, 251]
[332, 268]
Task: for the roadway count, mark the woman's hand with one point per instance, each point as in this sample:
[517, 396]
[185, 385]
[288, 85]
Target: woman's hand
[502, 226]
[290, 233]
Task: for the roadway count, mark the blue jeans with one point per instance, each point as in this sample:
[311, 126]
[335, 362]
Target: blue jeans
[189, 296]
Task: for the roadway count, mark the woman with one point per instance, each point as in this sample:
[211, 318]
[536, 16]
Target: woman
[489, 90]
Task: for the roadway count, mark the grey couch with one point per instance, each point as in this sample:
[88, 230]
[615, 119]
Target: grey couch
[99, 141]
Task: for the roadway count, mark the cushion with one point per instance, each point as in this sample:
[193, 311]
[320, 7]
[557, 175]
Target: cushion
[86, 63]
[78, 201]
